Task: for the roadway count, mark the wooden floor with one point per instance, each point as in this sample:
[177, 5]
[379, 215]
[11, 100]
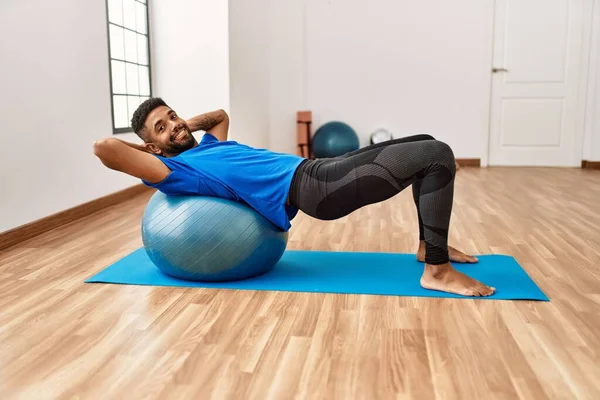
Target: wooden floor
[61, 338]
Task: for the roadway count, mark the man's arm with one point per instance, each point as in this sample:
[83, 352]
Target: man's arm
[131, 159]
[215, 122]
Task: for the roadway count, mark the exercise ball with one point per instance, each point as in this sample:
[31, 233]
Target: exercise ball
[209, 239]
[334, 139]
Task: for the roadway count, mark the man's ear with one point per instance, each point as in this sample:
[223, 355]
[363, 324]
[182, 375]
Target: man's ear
[152, 148]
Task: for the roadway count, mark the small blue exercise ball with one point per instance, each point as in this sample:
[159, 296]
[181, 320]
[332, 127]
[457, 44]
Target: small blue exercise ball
[334, 139]
[209, 239]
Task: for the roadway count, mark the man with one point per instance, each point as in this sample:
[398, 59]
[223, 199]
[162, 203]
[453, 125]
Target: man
[278, 185]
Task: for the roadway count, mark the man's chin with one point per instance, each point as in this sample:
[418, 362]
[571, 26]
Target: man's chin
[182, 146]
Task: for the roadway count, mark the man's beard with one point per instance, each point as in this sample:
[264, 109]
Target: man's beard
[180, 147]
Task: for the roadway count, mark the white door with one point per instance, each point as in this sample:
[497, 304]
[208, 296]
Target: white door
[537, 57]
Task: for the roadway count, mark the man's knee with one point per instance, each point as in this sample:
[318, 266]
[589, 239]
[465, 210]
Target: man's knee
[443, 154]
[426, 136]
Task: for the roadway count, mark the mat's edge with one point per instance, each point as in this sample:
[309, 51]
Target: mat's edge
[546, 299]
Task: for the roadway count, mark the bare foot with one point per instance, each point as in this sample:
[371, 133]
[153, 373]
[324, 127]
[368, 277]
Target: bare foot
[454, 255]
[446, 279]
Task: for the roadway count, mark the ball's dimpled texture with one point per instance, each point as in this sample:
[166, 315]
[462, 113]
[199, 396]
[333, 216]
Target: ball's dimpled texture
[334, 139]
[209, 239]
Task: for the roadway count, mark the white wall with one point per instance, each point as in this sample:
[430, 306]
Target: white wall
[267, 79]
[55, 103]
[407, 66]
[287, 71]
[249, 71]
[591, 147]
[190, 50]
[595, 145]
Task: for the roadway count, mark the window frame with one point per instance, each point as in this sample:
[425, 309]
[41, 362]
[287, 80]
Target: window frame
[128, 129]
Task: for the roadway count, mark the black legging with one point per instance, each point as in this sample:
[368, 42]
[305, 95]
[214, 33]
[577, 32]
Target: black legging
[332, 188]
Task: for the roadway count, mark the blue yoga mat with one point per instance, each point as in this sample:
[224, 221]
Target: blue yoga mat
[337, 272]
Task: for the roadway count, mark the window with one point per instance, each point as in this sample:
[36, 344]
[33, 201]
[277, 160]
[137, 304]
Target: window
[129, 59]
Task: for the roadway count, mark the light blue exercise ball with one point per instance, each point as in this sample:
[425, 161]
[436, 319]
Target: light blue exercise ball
[209, 239]
[334, 139]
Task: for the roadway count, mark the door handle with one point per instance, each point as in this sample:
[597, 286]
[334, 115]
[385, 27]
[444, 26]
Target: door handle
[494, 70]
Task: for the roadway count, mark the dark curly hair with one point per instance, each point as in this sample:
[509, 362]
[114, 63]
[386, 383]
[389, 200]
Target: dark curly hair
[139, 116]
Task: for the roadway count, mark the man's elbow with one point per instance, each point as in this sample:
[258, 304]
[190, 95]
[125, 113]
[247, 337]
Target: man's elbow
[224, 114]
[103, 149]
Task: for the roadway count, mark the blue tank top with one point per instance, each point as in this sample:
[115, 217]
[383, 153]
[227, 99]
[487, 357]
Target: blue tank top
[257, 177]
